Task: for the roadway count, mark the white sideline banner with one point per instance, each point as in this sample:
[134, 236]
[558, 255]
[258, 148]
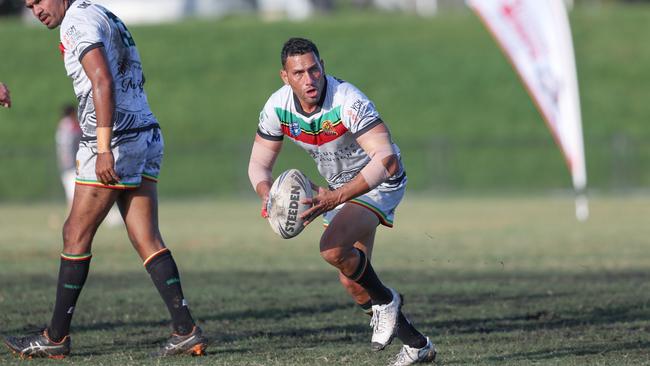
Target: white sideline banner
[536, 38]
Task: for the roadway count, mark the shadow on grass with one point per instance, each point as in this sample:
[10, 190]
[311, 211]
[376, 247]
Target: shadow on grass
[561, 352]
[252, 311]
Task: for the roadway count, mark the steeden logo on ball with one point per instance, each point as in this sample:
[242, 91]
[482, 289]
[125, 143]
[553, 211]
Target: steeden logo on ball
[284, 206]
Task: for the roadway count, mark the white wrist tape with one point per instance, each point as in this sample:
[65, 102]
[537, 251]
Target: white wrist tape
[375, 172]
[261, 164]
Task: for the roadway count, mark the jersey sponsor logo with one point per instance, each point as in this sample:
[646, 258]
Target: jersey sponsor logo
[356, 111]
[294, 129]
[344, 153]
[328, 128]
[72, 36]
[343, 177]
[133, 84]
[356, 106]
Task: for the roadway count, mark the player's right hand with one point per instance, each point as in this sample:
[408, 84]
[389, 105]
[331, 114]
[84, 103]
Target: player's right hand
[105, 168]
[325, 200]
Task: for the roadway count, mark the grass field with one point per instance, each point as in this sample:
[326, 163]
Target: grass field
[494, 281]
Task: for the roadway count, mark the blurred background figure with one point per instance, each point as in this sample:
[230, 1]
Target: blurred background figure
[5, 98]
[68, 134]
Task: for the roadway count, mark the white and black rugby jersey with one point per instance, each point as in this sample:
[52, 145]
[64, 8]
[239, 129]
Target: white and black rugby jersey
[329, 133]
[87, 26]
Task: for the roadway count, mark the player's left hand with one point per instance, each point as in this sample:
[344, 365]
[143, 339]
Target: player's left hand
[325, 200]
[265, 207]
[105, 168]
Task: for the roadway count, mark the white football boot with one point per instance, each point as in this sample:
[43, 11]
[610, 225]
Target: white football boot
[409, 355]
[384, 322]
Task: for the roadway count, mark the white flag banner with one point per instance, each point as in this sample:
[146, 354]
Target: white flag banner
[536, 38]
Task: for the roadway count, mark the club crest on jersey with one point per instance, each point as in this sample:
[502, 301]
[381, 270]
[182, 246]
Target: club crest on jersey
[328, 128]
[294, 129]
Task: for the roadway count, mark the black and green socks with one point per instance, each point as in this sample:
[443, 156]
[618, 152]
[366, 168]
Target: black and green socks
[164, 273]
[73, 272]
[365, 276]
[366, 307]
[407, 333]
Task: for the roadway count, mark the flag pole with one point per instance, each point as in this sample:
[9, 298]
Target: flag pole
[582, 206]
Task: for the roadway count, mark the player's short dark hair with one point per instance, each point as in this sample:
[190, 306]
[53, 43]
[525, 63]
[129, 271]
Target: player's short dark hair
[298, 46]
[68, 109]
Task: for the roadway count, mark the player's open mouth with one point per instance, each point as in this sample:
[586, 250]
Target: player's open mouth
[312, 93]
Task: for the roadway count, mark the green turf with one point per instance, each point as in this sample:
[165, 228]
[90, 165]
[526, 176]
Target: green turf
[494, 281]
[454, 105]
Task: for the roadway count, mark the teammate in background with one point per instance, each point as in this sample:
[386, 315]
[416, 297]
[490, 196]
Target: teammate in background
[119, 160]
[5, 98]
[341, 129]
[68, 136]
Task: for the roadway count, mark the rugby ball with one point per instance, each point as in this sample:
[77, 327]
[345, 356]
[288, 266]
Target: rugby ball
[284, 207]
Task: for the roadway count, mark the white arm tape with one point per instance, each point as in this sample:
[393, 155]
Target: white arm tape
[261, 164]
[375, 172]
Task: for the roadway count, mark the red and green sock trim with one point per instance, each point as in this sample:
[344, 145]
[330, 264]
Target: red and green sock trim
[76, 257]
[154, 255]
[73, 271]
[164, 274]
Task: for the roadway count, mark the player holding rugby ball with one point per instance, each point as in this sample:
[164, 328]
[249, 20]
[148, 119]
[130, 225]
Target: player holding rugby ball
[343, 132]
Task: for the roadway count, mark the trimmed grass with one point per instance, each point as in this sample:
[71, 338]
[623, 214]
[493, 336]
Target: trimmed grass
[494, 281]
